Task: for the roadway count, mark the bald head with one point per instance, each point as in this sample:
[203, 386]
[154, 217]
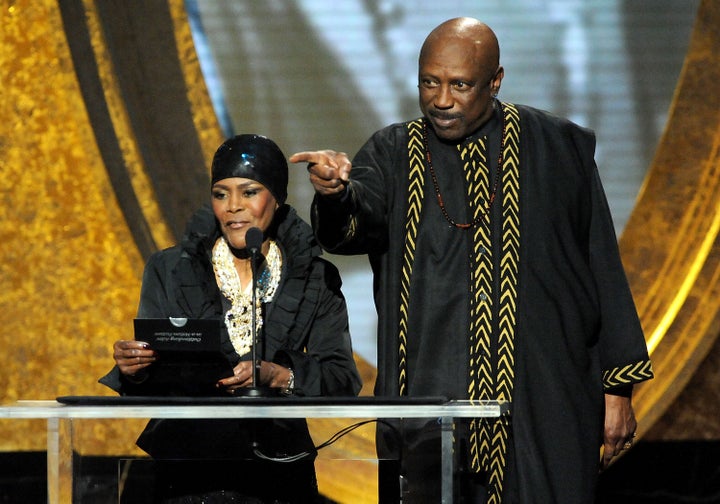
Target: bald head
[459, 76]
[467, 30]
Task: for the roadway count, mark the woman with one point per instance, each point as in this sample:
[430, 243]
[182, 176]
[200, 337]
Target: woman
[301, 319]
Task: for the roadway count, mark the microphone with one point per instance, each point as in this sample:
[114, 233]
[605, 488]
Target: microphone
[253, 240]
[253, 243]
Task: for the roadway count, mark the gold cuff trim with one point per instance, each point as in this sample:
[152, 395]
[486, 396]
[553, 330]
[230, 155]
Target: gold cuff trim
[627, 375]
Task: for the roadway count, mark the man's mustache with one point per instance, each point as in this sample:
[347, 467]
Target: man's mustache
[444, 115]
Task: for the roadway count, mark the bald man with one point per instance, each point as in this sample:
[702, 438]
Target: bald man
[497, 276]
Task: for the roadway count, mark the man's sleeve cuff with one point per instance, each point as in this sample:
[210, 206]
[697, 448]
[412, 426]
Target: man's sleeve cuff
[627, 375]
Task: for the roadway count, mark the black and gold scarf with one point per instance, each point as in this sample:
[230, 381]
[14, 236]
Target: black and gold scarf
[489, 378]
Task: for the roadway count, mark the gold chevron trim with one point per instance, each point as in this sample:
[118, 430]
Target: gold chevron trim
[416, 193]
[510, 254]
[627, 375]
[488, 440]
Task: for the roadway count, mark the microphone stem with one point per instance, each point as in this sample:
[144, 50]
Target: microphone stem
[255, 362]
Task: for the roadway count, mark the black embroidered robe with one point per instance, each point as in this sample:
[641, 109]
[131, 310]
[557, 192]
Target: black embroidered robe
[576, 332]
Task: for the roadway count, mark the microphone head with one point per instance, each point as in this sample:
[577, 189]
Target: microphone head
[253, 239]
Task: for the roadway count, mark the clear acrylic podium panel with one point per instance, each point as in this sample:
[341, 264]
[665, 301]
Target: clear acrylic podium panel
[63, 419]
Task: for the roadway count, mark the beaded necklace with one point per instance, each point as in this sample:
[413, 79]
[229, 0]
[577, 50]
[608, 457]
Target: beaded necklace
[485, 210]
[238, 318]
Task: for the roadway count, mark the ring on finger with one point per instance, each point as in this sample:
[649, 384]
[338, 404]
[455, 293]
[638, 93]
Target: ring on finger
[628, 444]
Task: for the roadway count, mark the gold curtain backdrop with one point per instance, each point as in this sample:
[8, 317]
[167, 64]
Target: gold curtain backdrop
[104, 124]
[69, 270]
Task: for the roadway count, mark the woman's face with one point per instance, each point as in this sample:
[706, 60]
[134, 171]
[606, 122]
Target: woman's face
[240, 204]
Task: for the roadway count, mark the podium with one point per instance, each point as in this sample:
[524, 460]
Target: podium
[59, 417]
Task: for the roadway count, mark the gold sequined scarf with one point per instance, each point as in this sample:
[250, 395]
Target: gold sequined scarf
[238, 318]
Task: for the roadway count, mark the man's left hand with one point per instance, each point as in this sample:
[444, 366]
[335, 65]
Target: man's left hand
[620, 427]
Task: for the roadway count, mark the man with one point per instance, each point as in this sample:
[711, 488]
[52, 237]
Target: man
[497, 276]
